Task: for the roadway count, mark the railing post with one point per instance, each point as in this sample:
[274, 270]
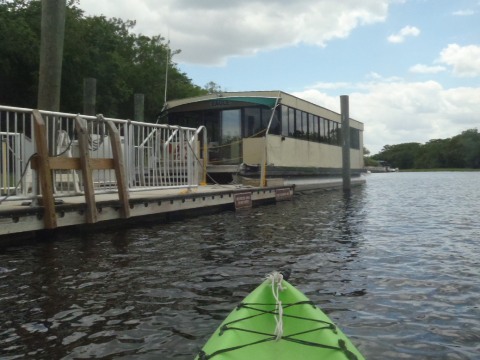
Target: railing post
[5, 179]
[205, 157]
[46, 184]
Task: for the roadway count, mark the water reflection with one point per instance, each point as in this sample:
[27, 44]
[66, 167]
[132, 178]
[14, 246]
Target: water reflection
[395, 277]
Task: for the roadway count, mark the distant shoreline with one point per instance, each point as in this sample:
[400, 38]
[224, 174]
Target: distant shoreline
[439, 169]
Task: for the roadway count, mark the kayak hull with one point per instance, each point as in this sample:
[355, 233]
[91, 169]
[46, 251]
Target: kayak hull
[249, 330]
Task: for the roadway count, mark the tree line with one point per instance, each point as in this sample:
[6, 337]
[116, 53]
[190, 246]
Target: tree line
[95, 47]
[460, 151]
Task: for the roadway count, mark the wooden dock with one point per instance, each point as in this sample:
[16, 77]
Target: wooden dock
[69, 171]
[23, 217]
[91, 171]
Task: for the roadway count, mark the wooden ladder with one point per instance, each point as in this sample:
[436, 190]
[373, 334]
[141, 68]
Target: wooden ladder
[45, 164]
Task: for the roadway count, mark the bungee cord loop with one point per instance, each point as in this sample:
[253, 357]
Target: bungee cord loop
[276, 279]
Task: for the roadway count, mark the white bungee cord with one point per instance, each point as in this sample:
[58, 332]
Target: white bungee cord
[276, 278]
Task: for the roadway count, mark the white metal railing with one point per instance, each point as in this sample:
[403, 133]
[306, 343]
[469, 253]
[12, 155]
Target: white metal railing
[155, 156]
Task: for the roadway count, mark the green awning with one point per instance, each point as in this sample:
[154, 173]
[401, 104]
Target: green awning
[267, 101]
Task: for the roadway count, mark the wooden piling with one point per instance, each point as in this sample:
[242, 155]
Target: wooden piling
[51, 54]
[346, 175]
[139, 107]
[89, 96]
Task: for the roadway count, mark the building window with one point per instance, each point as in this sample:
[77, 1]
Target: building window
[315, 127]
[291, 121]
[323, 131]
[275, 126]
[305, 125]
[354, 138]
[298, 124]
[284, 120]
[253, 122]
[231, 129]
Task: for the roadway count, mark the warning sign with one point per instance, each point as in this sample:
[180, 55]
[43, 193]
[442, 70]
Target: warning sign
[243, 200]
[283, 194]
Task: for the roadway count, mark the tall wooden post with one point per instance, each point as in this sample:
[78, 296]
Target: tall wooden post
[139, 107]
[344, 106]
[89, 96]
[51, 54]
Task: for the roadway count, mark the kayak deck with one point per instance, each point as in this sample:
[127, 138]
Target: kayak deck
[251, 330]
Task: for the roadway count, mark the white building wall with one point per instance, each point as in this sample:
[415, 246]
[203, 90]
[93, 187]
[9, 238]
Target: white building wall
[297, 153]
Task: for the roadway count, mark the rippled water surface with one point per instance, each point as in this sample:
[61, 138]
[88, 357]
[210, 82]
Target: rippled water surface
[395, 265]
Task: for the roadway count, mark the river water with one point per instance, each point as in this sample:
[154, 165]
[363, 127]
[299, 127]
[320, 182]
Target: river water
[396, 264]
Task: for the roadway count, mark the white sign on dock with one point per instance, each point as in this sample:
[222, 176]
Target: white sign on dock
[243, 200]
[283, 194]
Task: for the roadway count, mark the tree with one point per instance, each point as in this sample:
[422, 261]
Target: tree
[106, 49]
[401, 156]
[367, 160]
[432, 155]
[460, 151]
[466, 148]
[19, 44]
[213, 88]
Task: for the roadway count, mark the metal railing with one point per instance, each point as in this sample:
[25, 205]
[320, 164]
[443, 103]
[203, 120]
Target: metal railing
[154, 156]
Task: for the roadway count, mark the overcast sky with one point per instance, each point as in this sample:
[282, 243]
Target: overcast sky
[410, 67]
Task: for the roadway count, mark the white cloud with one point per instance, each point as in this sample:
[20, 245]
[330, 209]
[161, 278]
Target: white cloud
[425, 69]
[403, 33]
[465, 60]
[401, 112]
[209, 32]
[463, 13]
[331, 86]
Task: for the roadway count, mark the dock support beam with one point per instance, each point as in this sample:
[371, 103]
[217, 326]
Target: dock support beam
[119, 166]
[46, 184]
[346, 176]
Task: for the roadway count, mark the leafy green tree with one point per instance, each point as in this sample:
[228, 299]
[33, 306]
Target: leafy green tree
[20, 46]
[460, 151]
[401, 156]
[465, 149]
[432, 155]
[213, 88]
[367, 160]
[105, 49]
